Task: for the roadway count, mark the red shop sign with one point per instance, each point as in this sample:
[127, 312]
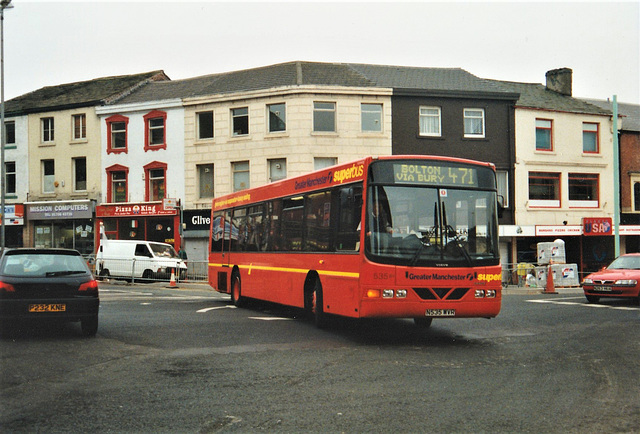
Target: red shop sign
[597, 226]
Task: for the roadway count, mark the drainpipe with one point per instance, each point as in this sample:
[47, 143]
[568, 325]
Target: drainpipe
[616, 179]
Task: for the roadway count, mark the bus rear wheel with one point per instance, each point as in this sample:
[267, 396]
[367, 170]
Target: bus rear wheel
[316, 305]
[236, 295]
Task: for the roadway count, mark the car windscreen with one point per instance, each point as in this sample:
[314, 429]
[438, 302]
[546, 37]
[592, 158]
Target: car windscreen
[163, 251]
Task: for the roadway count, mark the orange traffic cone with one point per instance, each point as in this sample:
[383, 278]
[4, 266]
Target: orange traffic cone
[550, 288]
[172, 282]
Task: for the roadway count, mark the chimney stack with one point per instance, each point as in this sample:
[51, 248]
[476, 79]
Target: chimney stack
[559, 80]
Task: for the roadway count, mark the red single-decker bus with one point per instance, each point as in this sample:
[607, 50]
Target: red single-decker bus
[381, 237]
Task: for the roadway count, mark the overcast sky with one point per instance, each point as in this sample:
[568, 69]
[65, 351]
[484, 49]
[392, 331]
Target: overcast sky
[50, 42]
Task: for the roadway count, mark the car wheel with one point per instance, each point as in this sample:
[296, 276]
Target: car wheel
[89, 325]
[236, 292]
[423, 323]
[592, 298]
[148, 275]
[104, 274]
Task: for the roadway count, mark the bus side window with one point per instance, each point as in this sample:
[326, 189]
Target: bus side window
[350, 199]
[217, 231]
[272, 240]
[291, 225]
[239, 230]
[255, 230]
[317, 230]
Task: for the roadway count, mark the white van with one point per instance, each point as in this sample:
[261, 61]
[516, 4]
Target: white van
[127, 259]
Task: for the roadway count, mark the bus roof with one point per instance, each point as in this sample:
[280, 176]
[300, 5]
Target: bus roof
[339, 174]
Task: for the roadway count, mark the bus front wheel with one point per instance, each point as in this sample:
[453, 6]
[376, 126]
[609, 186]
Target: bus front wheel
[236, 296]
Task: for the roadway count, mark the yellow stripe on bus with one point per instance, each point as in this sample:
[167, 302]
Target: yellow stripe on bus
[251, 267]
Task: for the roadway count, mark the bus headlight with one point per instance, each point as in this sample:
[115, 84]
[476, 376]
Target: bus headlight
[387, 293]
[401, 293]
[490, 293]
[479, 293]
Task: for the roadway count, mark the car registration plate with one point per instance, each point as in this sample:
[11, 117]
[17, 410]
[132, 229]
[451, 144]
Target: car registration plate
[47, 307]
[440, 312]
[603, 288]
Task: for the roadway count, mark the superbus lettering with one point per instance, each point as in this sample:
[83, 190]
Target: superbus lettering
[489, 277]
[348, 174]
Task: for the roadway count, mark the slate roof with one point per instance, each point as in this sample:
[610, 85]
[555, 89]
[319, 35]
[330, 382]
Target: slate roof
[79, 94]
[424, 80]
[537, 96]
[630, 113]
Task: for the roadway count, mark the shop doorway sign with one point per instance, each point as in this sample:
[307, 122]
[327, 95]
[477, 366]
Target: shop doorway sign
[599, 226]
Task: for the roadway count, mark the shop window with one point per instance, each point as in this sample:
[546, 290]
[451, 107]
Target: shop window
[636, 196]
[544, 189]
[154, 133]
[117, 134]
[117, 185]
[155, 174]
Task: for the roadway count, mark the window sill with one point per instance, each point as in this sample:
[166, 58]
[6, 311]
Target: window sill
[79, 142]
[277, 135]
[204, 142]
[324, 133]
[47, 144]
[240, 138]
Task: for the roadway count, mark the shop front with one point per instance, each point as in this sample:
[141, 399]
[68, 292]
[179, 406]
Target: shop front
[14, 225]
[150, 221]
[196, 226]
[62, 224]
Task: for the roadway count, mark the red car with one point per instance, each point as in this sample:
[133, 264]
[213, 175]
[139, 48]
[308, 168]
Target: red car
[620, 279]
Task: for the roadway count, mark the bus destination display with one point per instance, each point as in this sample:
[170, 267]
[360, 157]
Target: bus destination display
[435, 175]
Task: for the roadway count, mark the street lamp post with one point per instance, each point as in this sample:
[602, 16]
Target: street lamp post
[4, 4]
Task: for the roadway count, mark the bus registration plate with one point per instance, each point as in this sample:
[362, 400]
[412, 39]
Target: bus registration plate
[440, 312]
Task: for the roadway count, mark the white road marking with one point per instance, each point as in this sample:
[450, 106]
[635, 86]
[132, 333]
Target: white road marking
[270, 318]
[207, 309]
[583, 303]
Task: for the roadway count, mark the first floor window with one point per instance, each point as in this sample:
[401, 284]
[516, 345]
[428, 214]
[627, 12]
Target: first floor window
[322, 162]
[277, 169]
[544, 189]
[473, 122]
[583, 190]
[240, 121]
[205, 181]
[10, 177]
[277, 117]
[324, 116]
[205, 125]
[156, 184]
[47, 130]
[48, 176]
[430, 121]
[117, 133]
[371, 118]
[590, 138]
[240, 175]
[118, 186]
[80, 174]
[79, 126]
[502, 177]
